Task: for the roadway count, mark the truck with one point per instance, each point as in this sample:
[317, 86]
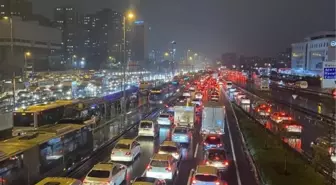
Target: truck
[213, 118]
[184, 115]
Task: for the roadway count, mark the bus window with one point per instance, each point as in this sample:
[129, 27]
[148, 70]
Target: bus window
[11, 170]
[23, 119]
[51, 154]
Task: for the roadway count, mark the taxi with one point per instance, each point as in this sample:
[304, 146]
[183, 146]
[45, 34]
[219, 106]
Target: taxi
[170, 147]
[147, 181]
[106, 173]
[60, 181]
[206, 175]
[125, 150]
[162, 166]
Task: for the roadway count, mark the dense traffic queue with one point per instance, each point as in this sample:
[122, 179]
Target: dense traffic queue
[201, 101]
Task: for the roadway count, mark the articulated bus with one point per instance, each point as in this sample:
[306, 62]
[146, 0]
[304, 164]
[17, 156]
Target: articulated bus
[35, 116]
[51, 150]
[159, 94]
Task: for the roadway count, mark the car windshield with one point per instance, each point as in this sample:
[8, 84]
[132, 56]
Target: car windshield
[213, 140]
[122, 146]
[168, 149]
[216, 155]
[164, 116]
[99, 174]
[146, 125]
[156, 163]
[206, 178]
[180, 131]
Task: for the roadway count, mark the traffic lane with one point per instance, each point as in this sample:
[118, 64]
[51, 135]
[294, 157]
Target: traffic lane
[286, 96]
[312, 128]
[242, 173]
[115, 131]
[192, 155]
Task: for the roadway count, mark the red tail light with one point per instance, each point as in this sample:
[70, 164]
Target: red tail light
[217, 183]
[128, 153]
[149, 167]
[205, 143]
[219, 145]
[194, 181]
[268, 110]
[226, 163]
[168, 169]
[258, 110]
[279, 118]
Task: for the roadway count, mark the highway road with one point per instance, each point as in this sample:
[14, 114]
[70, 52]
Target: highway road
[303, 100]
[312, 128]
[239, 172]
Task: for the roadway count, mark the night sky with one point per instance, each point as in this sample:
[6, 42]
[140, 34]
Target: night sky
[249, 27]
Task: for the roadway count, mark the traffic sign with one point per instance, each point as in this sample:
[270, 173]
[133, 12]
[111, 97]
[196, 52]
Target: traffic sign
[294, 96]
[329, 74]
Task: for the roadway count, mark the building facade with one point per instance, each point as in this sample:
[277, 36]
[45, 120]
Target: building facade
[18, 37]
[140, 52]
[20, 8]
[308, 56]
[67, 20]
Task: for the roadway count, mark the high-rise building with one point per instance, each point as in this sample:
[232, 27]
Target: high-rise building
[66, 20]
[140, 43]
[102, 38]
[20, 8]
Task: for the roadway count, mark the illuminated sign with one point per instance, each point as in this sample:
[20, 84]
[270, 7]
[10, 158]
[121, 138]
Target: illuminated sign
[156, 91]
[333, 43]
[138, 22]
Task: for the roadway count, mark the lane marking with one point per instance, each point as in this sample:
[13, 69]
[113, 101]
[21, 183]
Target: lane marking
[196, 150]
[232, 148]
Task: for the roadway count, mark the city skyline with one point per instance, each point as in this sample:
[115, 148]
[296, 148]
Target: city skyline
[249, 30]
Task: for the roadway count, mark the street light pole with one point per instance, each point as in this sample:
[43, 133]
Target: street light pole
[173, 57]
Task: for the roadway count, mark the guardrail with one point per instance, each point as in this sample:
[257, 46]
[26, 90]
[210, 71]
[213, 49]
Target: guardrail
[308, 91]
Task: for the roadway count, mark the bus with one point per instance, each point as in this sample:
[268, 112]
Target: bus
[48, 151]
[159, 94]
[35, 116]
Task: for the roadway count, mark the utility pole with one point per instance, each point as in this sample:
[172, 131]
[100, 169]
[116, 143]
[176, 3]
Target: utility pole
[173, 57]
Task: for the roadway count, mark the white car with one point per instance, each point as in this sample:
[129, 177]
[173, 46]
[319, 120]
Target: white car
[162, 166]
[148, 128]
[205, 175]
[165, 119]
[106, 173]
[245, 101]
[170, 147]
[125, 150]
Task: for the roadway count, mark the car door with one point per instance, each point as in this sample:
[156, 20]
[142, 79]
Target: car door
[116, 175]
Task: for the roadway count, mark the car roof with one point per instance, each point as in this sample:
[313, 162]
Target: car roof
[125, 141]
[161, 157]
[204, 169]
[103, 166]
[168, 143]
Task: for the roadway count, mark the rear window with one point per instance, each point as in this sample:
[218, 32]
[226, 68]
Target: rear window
[122, 146]
[213, 140]
[181, 131]
[229, 83]
[168, 148]
[145, 179]
[146, 125]
[164, 116]
[156, 163]
[216, 155]
[99, 174]
[206, 178]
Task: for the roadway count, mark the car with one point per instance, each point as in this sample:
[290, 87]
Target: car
[148, 181]
[216, 158]
[206, 175]
[162, 166]
[57, 180]
[280, 116]
[263, 109]
[213, 141]
[181, 135]
[106, 173]
[125, 150]
[170, 147]
[165, 119]
[245, 101]
[148, 128]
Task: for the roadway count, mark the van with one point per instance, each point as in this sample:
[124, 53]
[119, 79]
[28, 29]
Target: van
[148, 128]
